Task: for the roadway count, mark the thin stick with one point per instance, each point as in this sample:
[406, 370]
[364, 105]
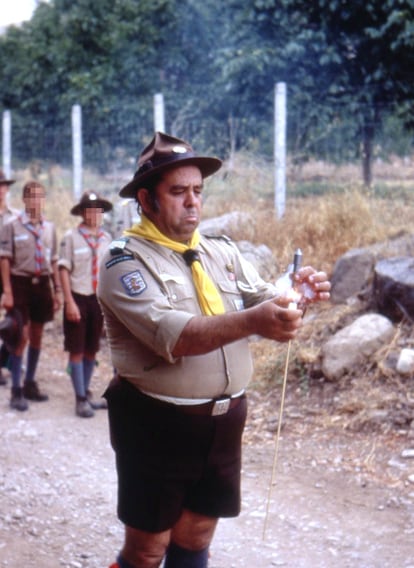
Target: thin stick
[279, 427]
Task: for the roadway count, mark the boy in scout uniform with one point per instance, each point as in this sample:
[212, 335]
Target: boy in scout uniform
[28, 260]
[179, 308]
[7, 214]
[80, 252]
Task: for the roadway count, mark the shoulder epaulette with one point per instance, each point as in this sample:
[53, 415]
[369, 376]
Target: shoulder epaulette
[117, 246]
[220, 237]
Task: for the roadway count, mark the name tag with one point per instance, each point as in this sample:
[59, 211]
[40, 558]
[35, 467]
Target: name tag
[82, 250]
[21, 237]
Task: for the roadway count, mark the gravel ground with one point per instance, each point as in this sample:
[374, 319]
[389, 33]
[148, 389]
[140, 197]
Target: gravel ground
[339, 500]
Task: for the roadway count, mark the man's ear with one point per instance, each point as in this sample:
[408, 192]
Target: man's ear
[148, 201]
[144, 199]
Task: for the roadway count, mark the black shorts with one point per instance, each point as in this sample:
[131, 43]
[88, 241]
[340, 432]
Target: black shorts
[84, 336]
[168, 460]
[33, 297]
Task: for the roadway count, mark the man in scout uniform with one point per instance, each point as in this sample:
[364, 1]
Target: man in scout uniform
[179, 308]
[28, 260]
[7, 214]
[80, 252]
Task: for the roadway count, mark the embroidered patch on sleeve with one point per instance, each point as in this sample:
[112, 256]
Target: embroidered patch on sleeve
[134, 283]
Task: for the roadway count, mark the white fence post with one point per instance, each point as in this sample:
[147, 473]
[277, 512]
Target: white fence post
[77, 150]
[6, 146]
[159, 121]
[280, 148]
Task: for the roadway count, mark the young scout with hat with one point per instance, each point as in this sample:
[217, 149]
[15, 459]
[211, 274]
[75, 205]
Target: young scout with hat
[28, 253]
[80, 252]
[7, 214]
[179, 308]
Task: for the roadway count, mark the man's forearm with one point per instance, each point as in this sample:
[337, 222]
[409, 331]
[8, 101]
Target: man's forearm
[203, 334]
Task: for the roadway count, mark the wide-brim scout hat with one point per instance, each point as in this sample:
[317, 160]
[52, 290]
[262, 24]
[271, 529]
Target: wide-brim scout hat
[11, 329]
[91, 199]
[162, 153]
[4, 180]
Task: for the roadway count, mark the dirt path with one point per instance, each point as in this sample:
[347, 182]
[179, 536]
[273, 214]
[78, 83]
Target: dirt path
[339, 500]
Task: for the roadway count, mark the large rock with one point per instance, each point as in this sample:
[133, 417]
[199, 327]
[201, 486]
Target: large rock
[354, 344]
[236, 225]
[394, 287]
[353, 273]
[261, 257]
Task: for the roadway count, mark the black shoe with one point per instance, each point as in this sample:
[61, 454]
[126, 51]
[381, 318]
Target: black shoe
[17, 400]
[96, 404]
[31, 391]
[83, 408]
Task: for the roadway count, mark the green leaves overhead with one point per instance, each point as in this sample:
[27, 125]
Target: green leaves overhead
[347, 64]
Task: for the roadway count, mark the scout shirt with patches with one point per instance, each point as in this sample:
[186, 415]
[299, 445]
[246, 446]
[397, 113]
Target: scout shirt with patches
[147, 295]
[8, 215]
[19, 245]
[76, 256]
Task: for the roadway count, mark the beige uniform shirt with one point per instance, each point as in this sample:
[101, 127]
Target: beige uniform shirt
[76, 256]
[19, 245]
[147, 296]
[7, 216]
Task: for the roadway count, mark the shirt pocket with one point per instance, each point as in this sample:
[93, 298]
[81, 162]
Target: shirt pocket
[180, 291]
[231, 295]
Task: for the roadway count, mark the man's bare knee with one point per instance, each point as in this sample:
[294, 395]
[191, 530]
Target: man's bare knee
[143, 549]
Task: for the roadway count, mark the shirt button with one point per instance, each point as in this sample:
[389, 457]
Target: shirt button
[174, 296]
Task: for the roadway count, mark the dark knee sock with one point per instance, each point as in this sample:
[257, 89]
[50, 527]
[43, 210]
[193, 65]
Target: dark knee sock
[76, 374]
[15, 369]
[32, 359]
[178, 557]
[88, 368]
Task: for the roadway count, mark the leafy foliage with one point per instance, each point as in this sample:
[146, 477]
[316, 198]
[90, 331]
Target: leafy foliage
[348, 67]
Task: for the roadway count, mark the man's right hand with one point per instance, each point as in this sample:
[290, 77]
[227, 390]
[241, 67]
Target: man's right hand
[273, 319]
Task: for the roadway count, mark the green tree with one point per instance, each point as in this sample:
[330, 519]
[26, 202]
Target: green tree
[343, 61]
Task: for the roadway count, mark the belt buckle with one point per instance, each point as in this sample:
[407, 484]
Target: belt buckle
[35, 280]
[220, 406]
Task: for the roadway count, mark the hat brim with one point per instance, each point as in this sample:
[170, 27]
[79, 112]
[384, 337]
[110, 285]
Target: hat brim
[207, 167]
[79, 208]
[7, 181]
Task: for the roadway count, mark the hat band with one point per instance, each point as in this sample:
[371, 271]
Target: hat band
[150, 165]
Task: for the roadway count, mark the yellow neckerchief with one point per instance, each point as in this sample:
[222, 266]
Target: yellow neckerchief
[208, 296]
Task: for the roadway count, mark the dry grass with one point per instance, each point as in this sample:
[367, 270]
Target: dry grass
[324, 225]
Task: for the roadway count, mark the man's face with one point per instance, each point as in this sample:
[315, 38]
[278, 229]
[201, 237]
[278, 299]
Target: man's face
[92, 217]
[4, 188]
[179, 200]
[34, 202]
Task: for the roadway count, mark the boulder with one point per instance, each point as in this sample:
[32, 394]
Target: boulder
[261, 257]
[405, 363]
[353, 272]
[393, 287]
[236, 225]
[354, 344]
